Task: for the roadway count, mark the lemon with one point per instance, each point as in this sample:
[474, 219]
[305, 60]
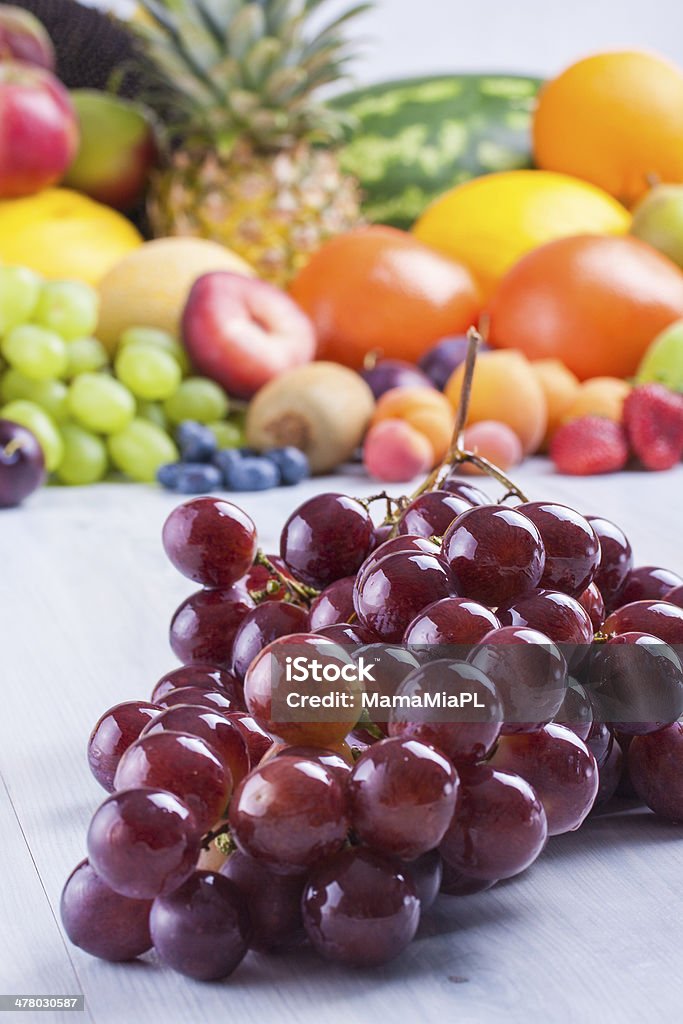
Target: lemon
[491, 222]
[63, 234]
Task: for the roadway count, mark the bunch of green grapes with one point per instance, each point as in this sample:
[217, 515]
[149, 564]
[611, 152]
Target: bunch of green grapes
[91, 416]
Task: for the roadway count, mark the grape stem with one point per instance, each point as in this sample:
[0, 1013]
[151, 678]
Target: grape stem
[12, 447]
[297, 591]
[227, 845]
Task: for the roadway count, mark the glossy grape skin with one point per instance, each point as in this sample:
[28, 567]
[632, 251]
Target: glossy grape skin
[397, 588]
[258, 741]
[529, 673]
[197, 696]
[675, 596]
[392, 664]
[202, 929]
[452, 620]
[592, 603]
[402, 542]
[658, 618]
[558, 616]
[273, 901]
[637, 683]
[455, 484]
[333, 760]
[263, 624]
[181, 764]
[572, 550]
[211, 541]
[288, 814]
[103, 922]
[576, 710]
[334, 604]
[610, 775]
[22, 468]
[113, 733]
[426, 874]
[495, 554]
[143, 842]
[454, 883]
[223, 736]
[401, 797]
[431, 514]
[464, 735]
[649, 583]
[326, 538]
[500, 827]
[561, 769]
[654, 766]
[616, 559]
[207, 677]
[347, 634]
[203, 627]
[600, 740]
[360, 909]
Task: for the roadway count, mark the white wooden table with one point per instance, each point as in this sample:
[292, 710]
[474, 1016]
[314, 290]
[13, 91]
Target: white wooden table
[592, 932]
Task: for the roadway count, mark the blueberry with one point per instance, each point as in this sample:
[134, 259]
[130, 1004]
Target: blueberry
[226, 459]
[190, 477]
[251, 473]
[196, 442]
[292, 463]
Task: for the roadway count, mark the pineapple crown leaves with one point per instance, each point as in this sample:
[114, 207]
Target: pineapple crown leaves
[229, 70]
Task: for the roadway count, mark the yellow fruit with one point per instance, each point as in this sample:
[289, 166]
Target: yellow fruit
[560, 387]
[599, 396]
[150, 286]
[504, 388]
[489, 223]
[63, 234]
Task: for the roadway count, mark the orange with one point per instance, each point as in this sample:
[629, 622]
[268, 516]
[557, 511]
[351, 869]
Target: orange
[615, 119]
[596, 303]
[379, 288]
[491, 222]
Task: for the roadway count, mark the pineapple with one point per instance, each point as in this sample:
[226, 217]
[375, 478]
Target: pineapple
[251, 160]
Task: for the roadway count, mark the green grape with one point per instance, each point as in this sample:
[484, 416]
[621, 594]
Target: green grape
[197, 398]
[50, 395]
[85, 459]
[227, 434]
[85, 355]
[140, 449]
[100, 403]
[150, 373]
[156, 338]
[35, 352]
[35, 419]
[19, 292]
[154, 412]
[68, 307]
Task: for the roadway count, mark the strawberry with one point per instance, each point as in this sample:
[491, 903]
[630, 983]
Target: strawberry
[590, 444]
[653, 418]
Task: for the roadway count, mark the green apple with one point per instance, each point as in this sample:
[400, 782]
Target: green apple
[658, 220]
[116, 152]
[663, 361]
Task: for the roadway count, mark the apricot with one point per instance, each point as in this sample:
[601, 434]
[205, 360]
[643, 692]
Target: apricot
[395, 452]
[425, 409]
[599, 396]
[494, 441]
[505, 388]
[560, 387]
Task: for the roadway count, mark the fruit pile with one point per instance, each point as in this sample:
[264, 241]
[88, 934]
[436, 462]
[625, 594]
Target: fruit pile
[232, 825]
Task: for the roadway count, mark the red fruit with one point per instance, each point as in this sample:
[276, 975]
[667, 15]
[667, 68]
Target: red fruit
[242, 332]
[23, 38]
[653, 418]
[588, 445]
[395, 452]
[38, 129]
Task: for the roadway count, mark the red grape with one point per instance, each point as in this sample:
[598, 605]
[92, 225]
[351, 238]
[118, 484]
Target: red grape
[426, 873]
[223, 736]
[452, 620]
[347, 635]
[258, 741]
[500, 827]
[572, 550]
[616, 559]
[649, 583]
[654, 765]
[274, 902]
[203, 627]
[399, 586]
[260, 626]
[113, 734]
[403, 542]
[658, 618]
[22, 464]
[600, 740]
[610, 775]
[195, 695]
[454, 883]
[202, 929]
[591, 601]
[675, 596]
[495, 554]
[465, 734]
[326, 538]
[392, 664]
[576, 710]
[208, 677]
[103, 922]
[401, 797]
[430, 514]
[455, 484]
[330, 759]
[211, 541]
[360, 909]
[289, 813]
[558, 616]
[334, 604]
[183, 765]
[262, 581]
[560, 768]
[143, 842]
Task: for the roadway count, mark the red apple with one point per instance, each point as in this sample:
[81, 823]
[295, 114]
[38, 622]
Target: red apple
[24, 38]
[243, 332]
[38, 129]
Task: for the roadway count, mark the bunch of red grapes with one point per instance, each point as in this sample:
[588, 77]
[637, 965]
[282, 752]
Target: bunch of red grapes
[228, 830]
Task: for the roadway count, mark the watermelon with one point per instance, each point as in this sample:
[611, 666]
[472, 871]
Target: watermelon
[414, 138]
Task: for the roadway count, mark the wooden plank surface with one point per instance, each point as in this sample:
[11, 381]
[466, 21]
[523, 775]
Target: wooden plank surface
[593, 931]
